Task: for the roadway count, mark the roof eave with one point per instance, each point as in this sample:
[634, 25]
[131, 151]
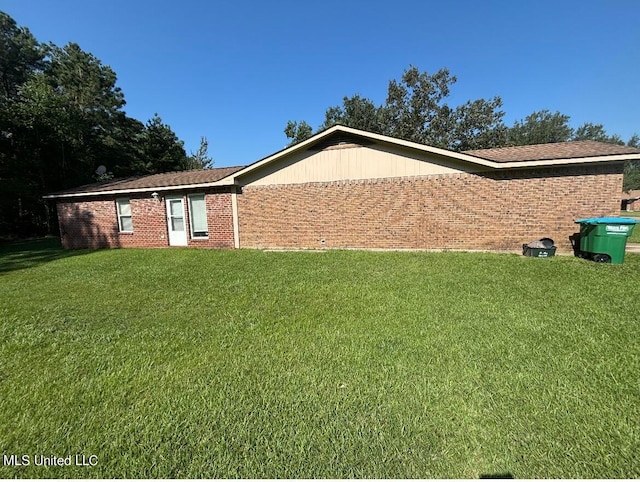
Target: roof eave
[565, 161]
[221, 183]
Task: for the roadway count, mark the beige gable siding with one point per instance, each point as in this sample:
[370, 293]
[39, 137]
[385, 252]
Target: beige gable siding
[351, 163]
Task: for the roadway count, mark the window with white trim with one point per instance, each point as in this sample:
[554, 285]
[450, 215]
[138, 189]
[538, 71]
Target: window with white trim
[125, 222]
[198, 216]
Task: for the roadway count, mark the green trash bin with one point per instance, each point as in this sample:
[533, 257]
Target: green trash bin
[604, 240]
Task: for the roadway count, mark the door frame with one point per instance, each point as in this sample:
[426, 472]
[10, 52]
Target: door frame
[175, 238]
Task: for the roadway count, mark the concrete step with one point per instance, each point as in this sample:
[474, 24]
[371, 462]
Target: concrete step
[632, 248]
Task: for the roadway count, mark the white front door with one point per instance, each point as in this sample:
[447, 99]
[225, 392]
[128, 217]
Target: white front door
[176, 221]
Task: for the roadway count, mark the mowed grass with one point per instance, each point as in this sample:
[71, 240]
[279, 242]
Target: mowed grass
[635, 236]
[218, 364]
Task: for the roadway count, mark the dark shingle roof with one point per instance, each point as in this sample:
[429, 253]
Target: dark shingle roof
[558, 150]
[165, 179]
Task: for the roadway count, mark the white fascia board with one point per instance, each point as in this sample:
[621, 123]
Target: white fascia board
[420, 147]
[140, 189]
[567, 161]
[494, 164]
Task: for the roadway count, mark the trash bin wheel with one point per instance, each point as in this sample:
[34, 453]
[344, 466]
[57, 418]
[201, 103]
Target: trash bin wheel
[602, 258]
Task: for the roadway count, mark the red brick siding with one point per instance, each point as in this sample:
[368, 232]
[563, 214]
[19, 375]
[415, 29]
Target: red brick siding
[463, 211]
[219, 222]
[93, 223]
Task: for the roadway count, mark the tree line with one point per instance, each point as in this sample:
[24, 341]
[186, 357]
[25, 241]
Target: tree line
[61, 118]
[416, 109]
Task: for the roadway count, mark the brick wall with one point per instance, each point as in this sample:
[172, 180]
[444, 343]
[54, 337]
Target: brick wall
[219, 221]
[458, 211]
[93, 223]
[633, 205]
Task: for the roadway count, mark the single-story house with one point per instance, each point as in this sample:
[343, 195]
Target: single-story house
[347, 188]
[631, 200]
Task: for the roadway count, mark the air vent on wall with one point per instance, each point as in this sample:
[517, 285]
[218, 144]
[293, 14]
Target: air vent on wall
[338, 140]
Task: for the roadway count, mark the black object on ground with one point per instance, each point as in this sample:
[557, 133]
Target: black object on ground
[541, 248]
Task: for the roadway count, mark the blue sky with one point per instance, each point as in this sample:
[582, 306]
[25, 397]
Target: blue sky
[235, 71]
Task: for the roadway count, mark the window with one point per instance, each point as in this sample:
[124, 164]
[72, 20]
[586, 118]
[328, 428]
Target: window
[198, 216]
[125, 224]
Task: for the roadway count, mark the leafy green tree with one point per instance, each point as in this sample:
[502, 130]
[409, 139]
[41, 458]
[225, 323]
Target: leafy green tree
[120, 149]
[84, 81]
[415, 110]
[298, 131]
[161, 150]
[595, 132]
[200, 159]
[93, 104]
[540, 127]
[357, 112]
[478, 124]
[21, 55]
[631, 176]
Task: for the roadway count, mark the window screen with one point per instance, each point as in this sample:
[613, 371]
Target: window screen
[125, 222]
[198, 216]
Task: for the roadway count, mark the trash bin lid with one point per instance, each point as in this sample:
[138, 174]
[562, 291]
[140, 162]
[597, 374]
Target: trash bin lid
[547, 242]
[606, 221]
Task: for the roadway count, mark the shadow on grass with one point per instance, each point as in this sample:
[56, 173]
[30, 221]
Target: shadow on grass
[30, 253]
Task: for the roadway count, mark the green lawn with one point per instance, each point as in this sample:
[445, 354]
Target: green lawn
[635, 236]
[217, 364]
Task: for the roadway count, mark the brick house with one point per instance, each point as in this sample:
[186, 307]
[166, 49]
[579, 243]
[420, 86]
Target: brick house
[346, 188]
[631, 201]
